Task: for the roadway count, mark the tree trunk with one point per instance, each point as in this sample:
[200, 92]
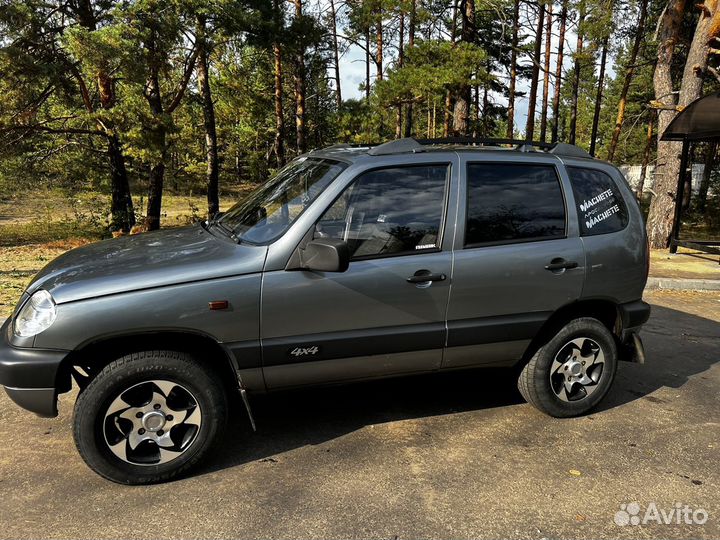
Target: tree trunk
[513, 72]
[401, 61]
[558, 72]
[411, 43]
[707, 173]
[157, 137]
[629, 73]
[485, 106]
[367, 64]
[448, 113]
[662, 208]
[599, 94]
[300, 89]
[121, 209]
[661, 218]
[122, 213]
[461, 113]
[430, 132]
[157, 169]
[279, 146]
[401, 39]
[646, 158]
[336, 55]
[411, 23]
[121, 206]
[546, 76]
[532, 98]
[453, 27]
[211, 143]
[379, 47]
[576, 79]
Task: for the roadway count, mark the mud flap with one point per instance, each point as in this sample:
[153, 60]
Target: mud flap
[631, 349]
[246, 401]
[639, 350]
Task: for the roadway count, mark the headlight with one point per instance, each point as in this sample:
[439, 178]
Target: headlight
[36, 315]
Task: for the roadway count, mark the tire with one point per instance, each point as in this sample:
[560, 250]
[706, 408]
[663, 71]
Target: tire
[581, 357]
[149, 417]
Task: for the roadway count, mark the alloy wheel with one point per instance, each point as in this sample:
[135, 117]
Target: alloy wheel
[577, 369]
[152, 422]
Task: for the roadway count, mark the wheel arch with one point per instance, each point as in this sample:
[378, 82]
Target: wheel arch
[602, 309]
[92, 356]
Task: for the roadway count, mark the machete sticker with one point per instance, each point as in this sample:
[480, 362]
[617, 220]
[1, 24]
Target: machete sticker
[594, 211]
[590, 223]
[586, 205]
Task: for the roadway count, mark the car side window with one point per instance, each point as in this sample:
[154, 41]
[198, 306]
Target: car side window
[509, 203]
[600, 206]
[390, 211]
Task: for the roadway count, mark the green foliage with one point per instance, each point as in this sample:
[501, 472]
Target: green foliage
[55, 57]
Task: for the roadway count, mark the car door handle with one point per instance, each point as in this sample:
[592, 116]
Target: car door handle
[561, 264]
[423, 276]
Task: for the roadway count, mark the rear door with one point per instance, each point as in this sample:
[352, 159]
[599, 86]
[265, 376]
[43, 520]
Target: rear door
[517, 257]
[386, 314]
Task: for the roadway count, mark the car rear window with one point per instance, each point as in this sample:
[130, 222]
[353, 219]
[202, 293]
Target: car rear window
[508, 203]
[600, 206]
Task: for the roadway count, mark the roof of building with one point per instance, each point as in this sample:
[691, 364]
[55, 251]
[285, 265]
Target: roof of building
[699, 121]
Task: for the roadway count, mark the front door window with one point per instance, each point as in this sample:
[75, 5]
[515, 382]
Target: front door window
[389, 211]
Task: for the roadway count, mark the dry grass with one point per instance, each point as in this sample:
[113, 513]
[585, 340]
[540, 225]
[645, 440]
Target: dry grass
[18, 265]
[39, 226]
[685, 264]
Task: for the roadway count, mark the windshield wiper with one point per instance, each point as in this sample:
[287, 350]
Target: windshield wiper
[227, 230]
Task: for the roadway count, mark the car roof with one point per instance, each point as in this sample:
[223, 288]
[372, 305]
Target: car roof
[409, 145]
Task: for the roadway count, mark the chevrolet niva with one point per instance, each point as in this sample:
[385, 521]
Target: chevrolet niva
[351, 263]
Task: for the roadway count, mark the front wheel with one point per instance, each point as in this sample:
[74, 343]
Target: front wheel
[148, 417]
[573, 371]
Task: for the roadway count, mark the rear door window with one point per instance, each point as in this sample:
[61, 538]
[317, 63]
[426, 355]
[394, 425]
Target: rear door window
[600, 206]
[509, 203]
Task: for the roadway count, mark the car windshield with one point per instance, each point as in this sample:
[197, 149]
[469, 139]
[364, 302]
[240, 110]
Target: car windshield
[269, 211]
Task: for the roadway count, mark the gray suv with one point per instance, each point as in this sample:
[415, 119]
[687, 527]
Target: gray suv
[351, 263]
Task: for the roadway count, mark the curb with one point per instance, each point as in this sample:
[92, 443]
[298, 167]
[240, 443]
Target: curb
[678, 284]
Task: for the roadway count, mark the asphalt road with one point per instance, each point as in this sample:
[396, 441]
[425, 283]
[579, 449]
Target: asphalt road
[456, 455]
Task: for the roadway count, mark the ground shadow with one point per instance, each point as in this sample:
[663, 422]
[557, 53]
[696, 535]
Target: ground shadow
[678, 346]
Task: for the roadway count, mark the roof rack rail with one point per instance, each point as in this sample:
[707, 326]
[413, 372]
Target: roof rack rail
[398, 146]
[409, 144]
[521, 144]
[351, 145]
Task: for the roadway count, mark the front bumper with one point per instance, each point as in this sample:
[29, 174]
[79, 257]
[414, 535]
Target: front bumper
[29, 375]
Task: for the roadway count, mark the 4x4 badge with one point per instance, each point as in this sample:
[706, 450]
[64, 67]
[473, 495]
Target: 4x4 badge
[305, 351]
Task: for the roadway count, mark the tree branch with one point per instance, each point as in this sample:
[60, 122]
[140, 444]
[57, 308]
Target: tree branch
[189, 68]
[714, 72]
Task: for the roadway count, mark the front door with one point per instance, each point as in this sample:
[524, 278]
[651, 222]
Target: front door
[386, 314]
[520, 260]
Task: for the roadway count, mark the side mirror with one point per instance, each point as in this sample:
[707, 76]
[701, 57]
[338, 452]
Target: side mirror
[325, 255]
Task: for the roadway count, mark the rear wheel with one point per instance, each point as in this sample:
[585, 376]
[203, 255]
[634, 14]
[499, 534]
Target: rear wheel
[573, 371]
[148, 417]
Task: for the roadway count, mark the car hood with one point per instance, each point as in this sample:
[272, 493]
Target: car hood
[143, 261]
